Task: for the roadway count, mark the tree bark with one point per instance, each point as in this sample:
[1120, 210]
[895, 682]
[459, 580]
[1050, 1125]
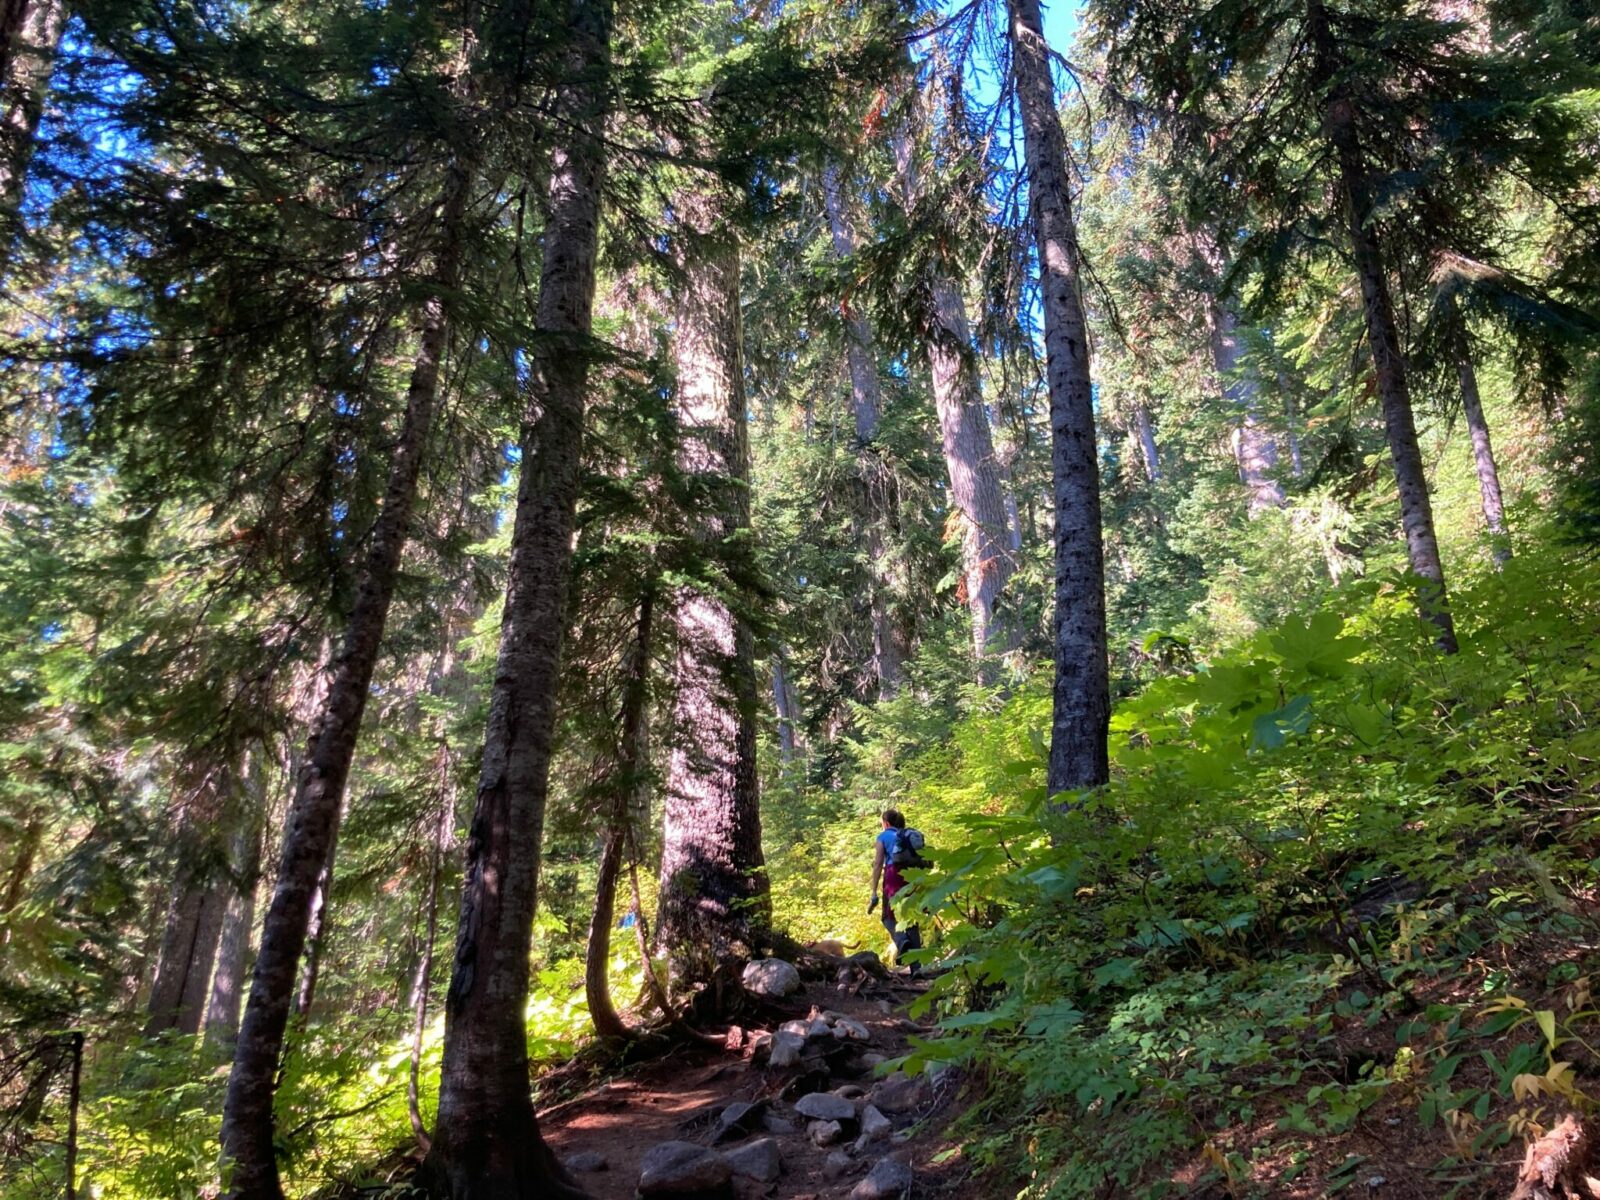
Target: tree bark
[1383, 337]
[30, 32]
[783, 704]
[976, 479]
[247, 1129]
[875, 495]
[1081, 699]
[21, 868]
[233, 950]
[975, 491]
[622, 774]
[1494, 511]
[195, 914]
[486, 1141]
[714, 904]
[444, 829]
[1254, 448]
[317, 926]
[1145, 428]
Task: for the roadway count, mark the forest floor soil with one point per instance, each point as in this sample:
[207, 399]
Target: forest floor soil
[679, 1096]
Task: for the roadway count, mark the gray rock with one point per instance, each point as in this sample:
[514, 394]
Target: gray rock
[682, 1169]
[771, 977]
[781, 1126]
[839, 1165]
[759, 1159]
[586, 1161]
[850, 1091]
[874, 1125]
[738, 1119]
[786, 1048]
[818, 1028]
[847, 1029]
[825, 1133]
[797, 1028]
[873, 1061]
[889, 1179]
[899, 1093]
[823, 1106]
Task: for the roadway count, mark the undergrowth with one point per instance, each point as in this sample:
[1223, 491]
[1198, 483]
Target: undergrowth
[1336, 874]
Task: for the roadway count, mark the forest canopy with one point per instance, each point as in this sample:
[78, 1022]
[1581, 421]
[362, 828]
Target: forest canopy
[1019, 582]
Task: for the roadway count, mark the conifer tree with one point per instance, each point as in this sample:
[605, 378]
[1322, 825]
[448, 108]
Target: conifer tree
[1082, 700]
[486, 1139]
[873, 483]
[713, 883]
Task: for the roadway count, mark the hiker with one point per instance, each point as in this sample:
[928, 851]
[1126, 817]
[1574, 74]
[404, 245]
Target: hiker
[889, 847]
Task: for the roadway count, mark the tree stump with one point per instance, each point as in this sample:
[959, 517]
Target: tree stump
[1559, 1166]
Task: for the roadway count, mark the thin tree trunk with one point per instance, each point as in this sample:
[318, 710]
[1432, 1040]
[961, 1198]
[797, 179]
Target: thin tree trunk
[443, 838]
[783, 705]
[74, 1094]
[1297, 465]
[30, 32]
[1254, 449]
[1082, 703]
[233, 950]
[623, 774]
[486, 1141]
[247, 1128]
[714, 899]
[1148, 451]
[1494, 511]
[875, 498]
[317, 926]
[1383, 338]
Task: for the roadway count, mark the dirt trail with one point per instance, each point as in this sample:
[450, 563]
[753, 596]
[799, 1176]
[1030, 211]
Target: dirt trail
[679, 1097]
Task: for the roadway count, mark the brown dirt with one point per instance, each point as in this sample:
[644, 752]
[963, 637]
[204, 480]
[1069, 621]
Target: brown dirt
[676, 1097]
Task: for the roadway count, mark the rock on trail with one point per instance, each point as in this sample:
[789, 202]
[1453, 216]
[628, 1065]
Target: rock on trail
[795, 1111]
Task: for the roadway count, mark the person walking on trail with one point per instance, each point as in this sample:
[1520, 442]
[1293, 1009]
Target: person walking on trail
[888, 848]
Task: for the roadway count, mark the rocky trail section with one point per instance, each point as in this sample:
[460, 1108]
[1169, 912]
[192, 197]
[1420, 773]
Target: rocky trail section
[800, 1110]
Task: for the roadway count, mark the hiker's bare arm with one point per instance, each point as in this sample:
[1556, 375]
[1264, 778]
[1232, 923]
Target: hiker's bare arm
[877, 865]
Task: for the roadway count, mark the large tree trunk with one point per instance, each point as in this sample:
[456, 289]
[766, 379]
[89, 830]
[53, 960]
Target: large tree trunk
[974, 471]
[195, 914]
[623, 773]
[486, 1143]
[1383, 337]
[1082, 702]
[30, 32]
[976, 484]
[233, 950]
[1254, 448]
[1494, 510]
[247, 1134]
[714, 900]
[875, 494]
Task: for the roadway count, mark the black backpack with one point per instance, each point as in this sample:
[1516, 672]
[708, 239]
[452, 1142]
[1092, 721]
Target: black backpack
[907, 849]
